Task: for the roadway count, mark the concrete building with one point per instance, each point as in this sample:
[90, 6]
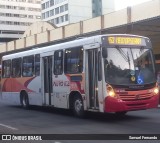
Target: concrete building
[16, 16]
[63, 12]
[130, 20]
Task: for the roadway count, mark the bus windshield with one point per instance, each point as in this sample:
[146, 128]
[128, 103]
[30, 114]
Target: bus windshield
[128, 65]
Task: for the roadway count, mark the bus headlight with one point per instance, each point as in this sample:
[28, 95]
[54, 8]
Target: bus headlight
[111, 91]
[156, 90]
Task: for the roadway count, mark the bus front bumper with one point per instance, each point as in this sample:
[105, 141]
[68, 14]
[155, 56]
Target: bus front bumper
[117, 105]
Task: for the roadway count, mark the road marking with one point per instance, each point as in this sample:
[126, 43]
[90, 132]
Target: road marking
[12, 128]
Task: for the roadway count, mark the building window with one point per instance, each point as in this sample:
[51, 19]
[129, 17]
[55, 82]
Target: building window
[74, 60]
[47, 4]
[52, 21]
[57, 20]
[30, 16]
[21, 8]
[8, 14]
[58, 62]
[61, 9]
[2, 6]
[66, 7]
[43, 15]
[62, 19]
[16, 23]
[56, 1]
[57, 10]
[66, 17]
[43, 6]
[52, 12]
[21, 15]
[47, 14]
[51, 2]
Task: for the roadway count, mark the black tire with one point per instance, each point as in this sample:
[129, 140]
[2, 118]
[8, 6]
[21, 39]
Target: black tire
[24, 100]
[78, 108]
[121, 114]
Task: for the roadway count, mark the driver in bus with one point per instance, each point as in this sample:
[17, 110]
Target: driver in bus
[145, 72]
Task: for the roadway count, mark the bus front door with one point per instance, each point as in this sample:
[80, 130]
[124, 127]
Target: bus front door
[92, 75]
[47, 78]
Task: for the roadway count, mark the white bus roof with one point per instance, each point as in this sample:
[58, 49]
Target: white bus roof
[70, 44]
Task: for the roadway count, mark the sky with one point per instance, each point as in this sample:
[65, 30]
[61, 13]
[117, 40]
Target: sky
[120, 4]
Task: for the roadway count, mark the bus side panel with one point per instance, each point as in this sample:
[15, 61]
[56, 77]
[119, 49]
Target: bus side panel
[63, 85]
[77, 83]
[12, 87]
[35, 97]
[6, 88]
[60, 91]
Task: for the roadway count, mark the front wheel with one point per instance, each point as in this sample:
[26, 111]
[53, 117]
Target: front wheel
[78, 107]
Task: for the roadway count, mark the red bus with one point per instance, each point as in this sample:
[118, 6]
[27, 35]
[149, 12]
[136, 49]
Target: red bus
[104, 73]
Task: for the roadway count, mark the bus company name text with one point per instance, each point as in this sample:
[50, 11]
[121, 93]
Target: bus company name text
[61, 83]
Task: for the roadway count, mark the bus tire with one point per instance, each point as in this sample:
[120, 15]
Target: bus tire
[78, 108]
[24, 100]
[121, 114]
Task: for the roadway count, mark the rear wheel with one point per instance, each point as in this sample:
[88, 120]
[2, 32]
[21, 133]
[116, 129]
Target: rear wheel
[24, 100]
[78, 107]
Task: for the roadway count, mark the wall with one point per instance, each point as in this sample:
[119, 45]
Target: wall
[79, 10]
[139, 12]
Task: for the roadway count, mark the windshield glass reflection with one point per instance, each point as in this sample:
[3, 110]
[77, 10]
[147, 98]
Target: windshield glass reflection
[125, 66]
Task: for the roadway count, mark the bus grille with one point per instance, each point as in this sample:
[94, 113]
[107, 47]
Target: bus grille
[126, 97]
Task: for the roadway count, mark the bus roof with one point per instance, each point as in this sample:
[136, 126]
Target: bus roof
[70, 44]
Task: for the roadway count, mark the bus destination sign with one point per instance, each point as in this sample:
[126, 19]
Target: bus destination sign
[117, 40]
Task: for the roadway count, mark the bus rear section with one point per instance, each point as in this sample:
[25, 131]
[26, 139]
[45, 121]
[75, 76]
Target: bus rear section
[129, 72]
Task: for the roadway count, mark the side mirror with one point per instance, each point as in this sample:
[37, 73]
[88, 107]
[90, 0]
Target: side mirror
[104, 52]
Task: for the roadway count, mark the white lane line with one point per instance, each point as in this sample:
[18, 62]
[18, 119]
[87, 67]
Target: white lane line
[12, 128]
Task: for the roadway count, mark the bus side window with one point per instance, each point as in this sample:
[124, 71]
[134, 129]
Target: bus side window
[74, 60]
[6, 69]
[16, 67]
[58, 62]
[28, 66]
[37, 65]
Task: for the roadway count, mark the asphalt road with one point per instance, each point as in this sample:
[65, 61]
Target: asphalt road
[41, 120]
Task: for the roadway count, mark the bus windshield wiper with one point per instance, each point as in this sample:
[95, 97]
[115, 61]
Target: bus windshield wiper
[124, 55]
